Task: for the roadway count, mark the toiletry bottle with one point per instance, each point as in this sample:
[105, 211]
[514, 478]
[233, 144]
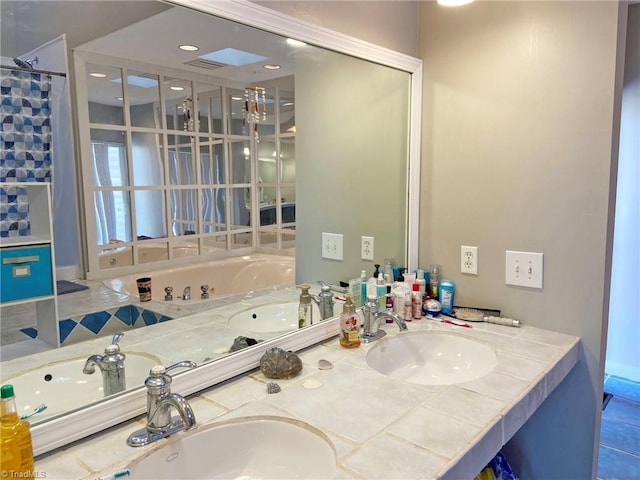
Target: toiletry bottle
[305, 312]
[434, 280]
[408, 308]
[388, 270]
[363, 287]
[416, 302]
[376, 272]
[17, 452]
[389, 302]
[447, 288]
[381, 292]
[421, 282]
[349, 329]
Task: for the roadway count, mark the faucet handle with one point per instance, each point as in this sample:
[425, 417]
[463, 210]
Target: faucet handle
[116, 338]
[160, 379]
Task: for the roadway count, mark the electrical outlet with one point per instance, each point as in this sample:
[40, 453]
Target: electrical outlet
[332, 246]
[366, 248]
[469, 260]
[524, 269]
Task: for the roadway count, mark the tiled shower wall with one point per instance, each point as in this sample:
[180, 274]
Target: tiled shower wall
[25, 144]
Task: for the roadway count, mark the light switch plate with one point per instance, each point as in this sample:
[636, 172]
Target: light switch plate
[332, 246]
[524, 269]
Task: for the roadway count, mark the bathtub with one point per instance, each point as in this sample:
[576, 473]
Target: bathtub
[114, 256]
[225, 277]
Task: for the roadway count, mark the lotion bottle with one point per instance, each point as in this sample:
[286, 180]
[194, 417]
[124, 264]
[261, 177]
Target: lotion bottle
[363, 287]
[349, 328]
[16, 459]
[305, 312]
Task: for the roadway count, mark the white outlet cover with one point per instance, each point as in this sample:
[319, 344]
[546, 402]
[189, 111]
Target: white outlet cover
[524, 269]
[469, 260]
[366, 248]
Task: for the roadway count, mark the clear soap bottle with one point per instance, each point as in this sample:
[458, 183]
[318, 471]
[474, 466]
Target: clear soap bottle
[17, 452]
[349, 329]
[305, 312]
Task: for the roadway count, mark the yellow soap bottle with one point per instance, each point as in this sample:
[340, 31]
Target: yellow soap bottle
[17, 452]
[349, 328]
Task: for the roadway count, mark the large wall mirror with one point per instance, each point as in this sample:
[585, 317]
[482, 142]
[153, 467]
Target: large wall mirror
[173, 168]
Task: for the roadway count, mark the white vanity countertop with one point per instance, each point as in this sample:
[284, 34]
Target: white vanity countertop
[380, 427]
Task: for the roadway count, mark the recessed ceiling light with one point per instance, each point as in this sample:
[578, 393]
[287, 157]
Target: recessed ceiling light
[97, 75]
[453, 3]
[177, 88]
[236, 98]
[119, 98]
[287, 104]
[271, 66]
[295, 43]
[189, 48]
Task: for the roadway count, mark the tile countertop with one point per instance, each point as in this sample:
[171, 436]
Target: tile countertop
[380, 427]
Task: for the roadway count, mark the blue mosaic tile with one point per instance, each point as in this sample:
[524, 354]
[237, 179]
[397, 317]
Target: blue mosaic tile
[149, 317]
[95, 321]
[30, 331]
[124, 315]
[164, 318]
[66, 327]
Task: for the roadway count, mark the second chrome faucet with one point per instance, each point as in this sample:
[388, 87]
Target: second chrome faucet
[160, 401]
[373, 316]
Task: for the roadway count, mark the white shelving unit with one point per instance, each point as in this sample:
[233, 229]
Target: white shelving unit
[41, 226]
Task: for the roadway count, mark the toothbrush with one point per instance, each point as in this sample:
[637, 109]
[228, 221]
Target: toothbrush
[454, 322]
[122, 473]
[38, 409]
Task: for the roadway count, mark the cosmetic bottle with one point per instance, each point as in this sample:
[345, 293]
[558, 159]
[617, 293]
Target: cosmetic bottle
[305, 312]
[349, 330]
[422, 284]
[389, 302]
[434, 280]
[363, 287]
[388, 270]
[17, 451]
[416, 302]
[381, 292]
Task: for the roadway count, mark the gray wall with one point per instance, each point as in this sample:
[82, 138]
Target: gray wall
[391, 24]
[518, 136]
[351, 163]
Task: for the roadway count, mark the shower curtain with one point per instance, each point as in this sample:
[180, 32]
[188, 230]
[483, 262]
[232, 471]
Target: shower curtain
[25, 144]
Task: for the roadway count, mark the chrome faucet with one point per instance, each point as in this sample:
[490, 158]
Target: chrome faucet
[324, 300]
[160, 400]
[111, 364]
[186, 293]
[372, 317]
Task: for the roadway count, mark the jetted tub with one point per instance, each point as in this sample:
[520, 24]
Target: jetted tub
[228, 276]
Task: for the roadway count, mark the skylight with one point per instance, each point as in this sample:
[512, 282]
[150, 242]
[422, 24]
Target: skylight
[232, 56]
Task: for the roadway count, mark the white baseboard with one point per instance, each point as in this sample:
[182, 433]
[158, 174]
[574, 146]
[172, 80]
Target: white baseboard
[629, 372]
[71, 272]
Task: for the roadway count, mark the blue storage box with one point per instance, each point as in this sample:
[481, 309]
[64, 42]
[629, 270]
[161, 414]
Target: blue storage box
[25, 272]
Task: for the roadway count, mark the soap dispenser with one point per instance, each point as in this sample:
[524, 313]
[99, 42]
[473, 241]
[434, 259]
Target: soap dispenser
[305, 312]
[349, 331]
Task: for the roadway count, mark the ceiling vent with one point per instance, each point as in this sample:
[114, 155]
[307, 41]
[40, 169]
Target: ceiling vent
[206, 64]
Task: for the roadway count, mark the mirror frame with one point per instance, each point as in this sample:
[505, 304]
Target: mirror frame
[66, 428]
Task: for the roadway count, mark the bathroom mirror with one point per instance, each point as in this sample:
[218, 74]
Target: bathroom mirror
[327, 187]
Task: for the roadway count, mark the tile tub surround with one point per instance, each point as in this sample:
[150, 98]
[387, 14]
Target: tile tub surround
[380, 427]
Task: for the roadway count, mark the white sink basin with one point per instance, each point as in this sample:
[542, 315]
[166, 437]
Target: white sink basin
[276, 317]
[62, 386]
[243, 448]
[432, 358]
